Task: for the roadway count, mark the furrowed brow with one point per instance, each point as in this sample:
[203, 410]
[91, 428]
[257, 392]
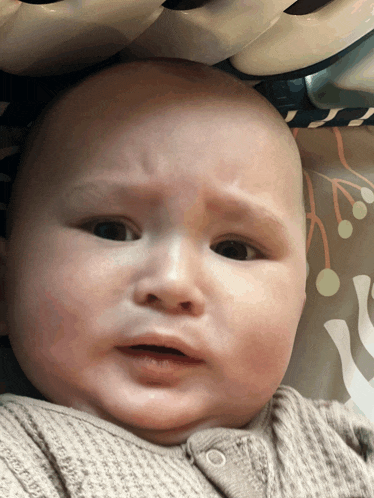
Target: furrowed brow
[236, 208]
[92, 192]
[230, 207]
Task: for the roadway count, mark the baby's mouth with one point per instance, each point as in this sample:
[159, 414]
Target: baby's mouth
[152, 363]
[160, 355]
[157, 350]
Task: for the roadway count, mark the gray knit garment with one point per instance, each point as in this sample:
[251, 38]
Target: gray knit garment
[295, 448]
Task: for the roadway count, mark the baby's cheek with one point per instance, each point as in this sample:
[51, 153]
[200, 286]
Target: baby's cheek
[267, 333]
[273, 345]
[270, 349]
[52, 331]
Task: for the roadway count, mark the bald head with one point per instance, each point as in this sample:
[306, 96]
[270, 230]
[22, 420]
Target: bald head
[123, 90]
[91, 110]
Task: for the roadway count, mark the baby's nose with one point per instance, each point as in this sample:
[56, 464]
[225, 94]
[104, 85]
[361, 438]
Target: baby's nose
[169, 303]
[171, 279]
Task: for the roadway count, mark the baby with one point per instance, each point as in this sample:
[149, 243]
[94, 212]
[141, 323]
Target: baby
[155, 272]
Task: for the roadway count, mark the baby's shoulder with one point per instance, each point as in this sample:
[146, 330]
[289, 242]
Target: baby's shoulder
[327, 422]
[16, 424]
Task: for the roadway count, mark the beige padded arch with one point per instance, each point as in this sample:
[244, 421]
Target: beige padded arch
[57, 38]
[257, 35]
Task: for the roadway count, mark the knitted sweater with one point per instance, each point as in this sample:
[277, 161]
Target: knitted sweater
[295, 448]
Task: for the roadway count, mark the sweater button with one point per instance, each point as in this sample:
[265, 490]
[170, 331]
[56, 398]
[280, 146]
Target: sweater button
[216, 458]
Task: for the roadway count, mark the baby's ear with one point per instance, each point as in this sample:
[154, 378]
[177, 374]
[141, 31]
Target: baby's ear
[3, 323]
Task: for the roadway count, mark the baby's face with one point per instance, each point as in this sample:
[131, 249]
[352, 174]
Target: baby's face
[180, 228]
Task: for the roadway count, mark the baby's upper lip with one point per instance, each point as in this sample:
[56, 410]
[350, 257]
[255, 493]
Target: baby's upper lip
[166, 341]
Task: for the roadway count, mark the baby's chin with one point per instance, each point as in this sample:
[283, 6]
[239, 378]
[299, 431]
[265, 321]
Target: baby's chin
[166, 436]
[179, 434]
[172, 437]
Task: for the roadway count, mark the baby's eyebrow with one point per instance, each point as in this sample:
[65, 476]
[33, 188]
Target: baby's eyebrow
[244, 207]
[230, 207]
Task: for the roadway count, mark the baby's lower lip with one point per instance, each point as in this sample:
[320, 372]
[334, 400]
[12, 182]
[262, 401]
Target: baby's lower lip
[159, 357]
[158, 365]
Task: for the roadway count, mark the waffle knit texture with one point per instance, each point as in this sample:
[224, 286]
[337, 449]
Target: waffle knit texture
[295, 447]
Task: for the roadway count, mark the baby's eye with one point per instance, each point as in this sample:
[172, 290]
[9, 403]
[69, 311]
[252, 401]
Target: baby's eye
[235, 249]
[113, 230]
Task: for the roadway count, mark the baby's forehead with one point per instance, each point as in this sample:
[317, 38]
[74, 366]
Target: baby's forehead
[169, 114]
[157, 111]
[162, 116]
[202, 133]
[191, 158]
[128, 91]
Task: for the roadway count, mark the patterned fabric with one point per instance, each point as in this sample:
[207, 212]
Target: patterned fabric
[329, 117]
[333, 353]
[295, 447]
